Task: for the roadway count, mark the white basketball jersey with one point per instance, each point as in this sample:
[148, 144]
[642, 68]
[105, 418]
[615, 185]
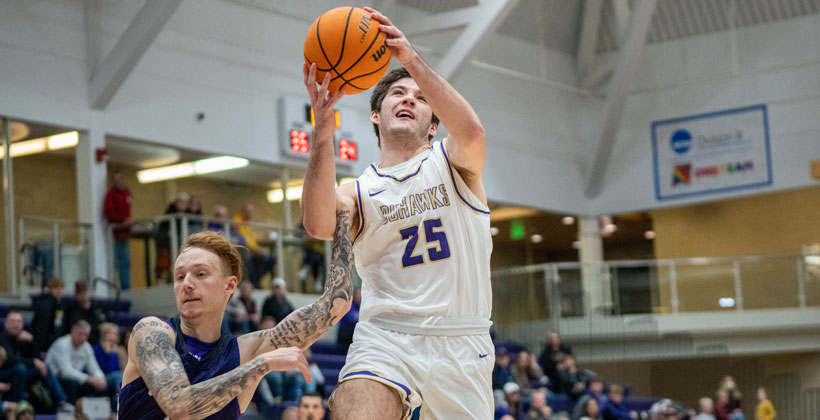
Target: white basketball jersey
[423, 245]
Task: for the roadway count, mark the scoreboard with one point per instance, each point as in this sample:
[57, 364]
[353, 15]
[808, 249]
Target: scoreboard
[296, 120]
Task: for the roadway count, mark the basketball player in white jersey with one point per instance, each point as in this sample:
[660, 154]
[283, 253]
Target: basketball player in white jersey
[421, 230]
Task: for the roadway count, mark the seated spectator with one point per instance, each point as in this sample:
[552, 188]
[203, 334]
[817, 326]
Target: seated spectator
[72, 360]
[595, 390]
[110, 355]
[83, 309]
[501, 374]
[277, 305]
[311, 407]
[313, 261]
[614, 408]
[194, 209]
[570, 381]
[163, 240]
[590, 410]
[291, 413]
[764, 409]
[347, 325]
[512, 402]
[20, 349]
[220, 216]
[721, 405]
[539, 410]
[246, 297]
[47, 324]
[237, 316]
[553, 354]
[24, 411]
[12, 378]
[526, 372]
[706, 409]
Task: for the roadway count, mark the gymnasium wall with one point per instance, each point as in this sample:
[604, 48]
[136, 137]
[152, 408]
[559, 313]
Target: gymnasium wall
[236, 71]
[774, 224]
[777, 65]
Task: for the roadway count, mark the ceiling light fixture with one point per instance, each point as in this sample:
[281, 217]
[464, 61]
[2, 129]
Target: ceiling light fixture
[276, 196]
[43, 144]
[199, 167]
[536, 239]
[649, 234]
[568, 220]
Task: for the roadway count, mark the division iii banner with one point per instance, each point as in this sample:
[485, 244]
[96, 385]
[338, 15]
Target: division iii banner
[711, 153]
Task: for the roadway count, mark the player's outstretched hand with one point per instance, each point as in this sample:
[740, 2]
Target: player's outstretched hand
[286, 359]
[322, 101]
[400, 47]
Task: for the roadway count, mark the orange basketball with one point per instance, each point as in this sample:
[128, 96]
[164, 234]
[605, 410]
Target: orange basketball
[346, 42]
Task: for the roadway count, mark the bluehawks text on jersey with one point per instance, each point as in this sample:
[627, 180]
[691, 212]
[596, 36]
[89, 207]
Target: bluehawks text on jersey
[413, 204]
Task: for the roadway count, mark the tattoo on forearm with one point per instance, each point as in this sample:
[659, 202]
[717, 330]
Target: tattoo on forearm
[305, 325]
[163, 373]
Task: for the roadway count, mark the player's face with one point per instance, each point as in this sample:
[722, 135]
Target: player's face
[200, 285]
[404, 112]
[311, 408]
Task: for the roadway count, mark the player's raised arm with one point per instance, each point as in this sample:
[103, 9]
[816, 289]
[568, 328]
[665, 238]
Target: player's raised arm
[465, 145]
[318, 194]
[304, 326]
[151, 349]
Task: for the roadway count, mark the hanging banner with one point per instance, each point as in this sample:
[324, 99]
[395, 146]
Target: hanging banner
[711, 153]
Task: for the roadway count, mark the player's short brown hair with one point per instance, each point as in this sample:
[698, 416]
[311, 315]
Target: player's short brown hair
[227, 253]
[380, 91]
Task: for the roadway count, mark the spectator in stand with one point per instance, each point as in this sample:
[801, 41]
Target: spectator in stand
[553, 354]
[311, 407]
[614, 408]
[277, 305]
[23, 411]
[195, 210]
[72, 360]
[118, 214]
[110, 355]
[262, 261]
[237, 316]
[83, 309]
[595, 391]
[512, 398]
[733, 404]
[163, 240]
[347, 325]
[570, 380]
[313, 261]
[501, 374]
[47, 324]
[217, 225]
[539, 410]
[246, 297]
[291, 413]
[721, 405]
[526, 372]
[20, 349]
[590, 410]
[706, 409]
[12, 378]
[765, 408]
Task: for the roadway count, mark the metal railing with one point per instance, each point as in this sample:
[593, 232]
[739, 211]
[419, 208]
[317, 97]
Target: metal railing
[567, 290]
[50, 247]
[166, 233]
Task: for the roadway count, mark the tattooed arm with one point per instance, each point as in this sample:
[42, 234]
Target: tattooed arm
[153, 357]
[305, 325]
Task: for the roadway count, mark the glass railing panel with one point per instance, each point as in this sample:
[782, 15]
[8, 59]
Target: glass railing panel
[75, 254]
[705, 286]
[633, 288]
[811, 280]
[52, 248]
[769, 283]
[571, 292]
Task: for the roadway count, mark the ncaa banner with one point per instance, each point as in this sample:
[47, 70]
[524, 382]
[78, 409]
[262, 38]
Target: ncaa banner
[711, 153]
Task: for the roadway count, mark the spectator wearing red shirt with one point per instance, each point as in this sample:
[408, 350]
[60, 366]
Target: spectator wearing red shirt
[118, 214]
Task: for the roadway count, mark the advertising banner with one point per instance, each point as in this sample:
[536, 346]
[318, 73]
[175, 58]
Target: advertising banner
[711, 153]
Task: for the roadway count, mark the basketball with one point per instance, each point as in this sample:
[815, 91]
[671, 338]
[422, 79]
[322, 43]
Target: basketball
[346, 42]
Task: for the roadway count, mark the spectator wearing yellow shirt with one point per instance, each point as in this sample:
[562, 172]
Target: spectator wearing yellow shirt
[262, 261]
[765, 409]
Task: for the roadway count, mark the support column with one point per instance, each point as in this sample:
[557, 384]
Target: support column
[591, 255]
[8, 204]
[91, 187]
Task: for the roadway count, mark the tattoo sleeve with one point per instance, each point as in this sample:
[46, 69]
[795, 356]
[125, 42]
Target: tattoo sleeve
[305, 325]
[161, 368]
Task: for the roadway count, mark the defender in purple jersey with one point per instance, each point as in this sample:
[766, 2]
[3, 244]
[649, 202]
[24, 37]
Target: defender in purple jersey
[184, 368]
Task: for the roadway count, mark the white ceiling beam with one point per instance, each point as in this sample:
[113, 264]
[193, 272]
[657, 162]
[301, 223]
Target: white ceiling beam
[491, 14]
[134, 42]
[627, 62]
[600, 72]
[589, 36]
[619, 19]
[442, 21]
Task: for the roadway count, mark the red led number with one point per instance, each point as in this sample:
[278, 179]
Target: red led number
[347, 150]
[299, 142]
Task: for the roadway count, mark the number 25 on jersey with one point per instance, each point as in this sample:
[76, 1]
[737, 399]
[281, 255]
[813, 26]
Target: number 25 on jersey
[440, 249]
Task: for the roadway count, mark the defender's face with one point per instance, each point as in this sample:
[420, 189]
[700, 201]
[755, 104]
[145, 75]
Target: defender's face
[200, 286]
[404, 111]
